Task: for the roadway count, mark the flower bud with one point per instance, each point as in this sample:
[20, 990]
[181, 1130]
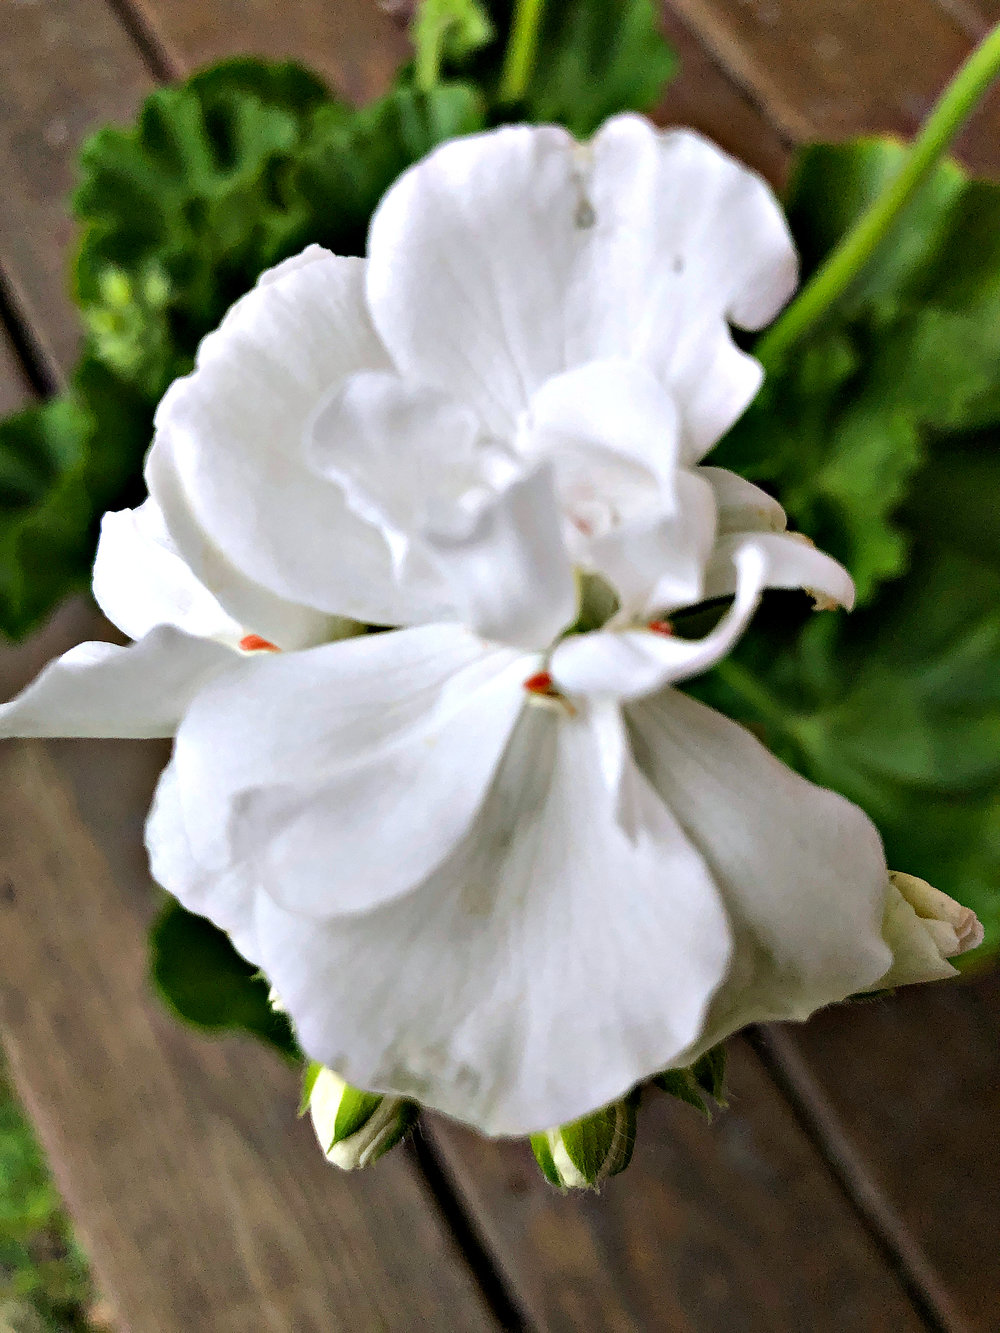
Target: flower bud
[354, 1128]
[924, 928]
[582, 1154]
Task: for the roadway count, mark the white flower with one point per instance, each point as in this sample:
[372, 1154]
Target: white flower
[501, 871]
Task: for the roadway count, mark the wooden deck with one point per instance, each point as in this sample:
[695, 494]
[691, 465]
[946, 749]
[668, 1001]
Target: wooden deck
[853, 1186]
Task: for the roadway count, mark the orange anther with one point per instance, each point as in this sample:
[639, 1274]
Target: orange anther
[661, 627]
[253, 643]
[540, 684]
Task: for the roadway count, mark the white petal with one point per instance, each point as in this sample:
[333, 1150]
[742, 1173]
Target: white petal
[792, 561]
[228, 465]
[99, 689]
[630, 663]
[345, 774]
[227, 895]
[742, 506]
[614, 408]
[658, 564]
[507, 258]
[565, 951]
[474, 536]
[801, 870]
[509, 571]
[140, 581]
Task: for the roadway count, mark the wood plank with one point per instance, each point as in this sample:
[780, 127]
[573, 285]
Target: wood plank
[65, 68]
[713, 1228]
[352, 43]
[835, 68]
[704, 97]
[915, 1085]
[976, 17]
[201, 1199]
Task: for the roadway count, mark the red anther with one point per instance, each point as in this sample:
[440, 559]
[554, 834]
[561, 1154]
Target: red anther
[253, 643]
[661, 627]
[540, 684]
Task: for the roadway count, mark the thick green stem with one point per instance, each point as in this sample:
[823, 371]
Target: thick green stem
[522, 48]
[849, 257]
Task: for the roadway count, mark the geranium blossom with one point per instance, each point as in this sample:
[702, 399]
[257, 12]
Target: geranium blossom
[488, 863]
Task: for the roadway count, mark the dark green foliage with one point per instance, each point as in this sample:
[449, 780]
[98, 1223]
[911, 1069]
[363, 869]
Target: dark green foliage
[595, 58]
[206, 982]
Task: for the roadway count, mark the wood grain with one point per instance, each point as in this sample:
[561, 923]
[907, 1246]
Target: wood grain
[830, 69]
[704, 97]
[712, 1228]
[352, 43]
[915, 1084]
[201, 1199]
[975, 17]
[66, 66]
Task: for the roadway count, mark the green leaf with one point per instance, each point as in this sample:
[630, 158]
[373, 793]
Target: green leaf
[845, 421]
[881, 434]
[595, 58]
[206, 982]
[351, 160]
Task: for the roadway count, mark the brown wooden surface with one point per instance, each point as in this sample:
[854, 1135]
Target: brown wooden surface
[854, 1189]
[66, 66]
[829, 69]
[198, 1193]
[352, 43]
[722, 1227]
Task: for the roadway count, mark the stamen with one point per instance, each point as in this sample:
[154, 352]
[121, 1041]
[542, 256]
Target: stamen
[663, 627]
[540, 684]
[543, 690]
[253, 643]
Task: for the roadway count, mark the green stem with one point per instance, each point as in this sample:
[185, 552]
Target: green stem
[846, 260]
[522, 48]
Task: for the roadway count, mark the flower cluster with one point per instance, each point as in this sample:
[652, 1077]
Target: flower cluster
[491, 859]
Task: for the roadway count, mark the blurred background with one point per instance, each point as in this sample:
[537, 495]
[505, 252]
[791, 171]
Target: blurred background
[153, 1178]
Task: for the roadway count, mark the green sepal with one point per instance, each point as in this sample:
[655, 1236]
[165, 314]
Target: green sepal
[709, 1072]
[601, 1144]
[543, 1156]
[310, 1074]
[680, 1083]
[355, 1110]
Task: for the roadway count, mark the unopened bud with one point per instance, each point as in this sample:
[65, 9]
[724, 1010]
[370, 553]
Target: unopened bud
[354, 1128]
[924, 928]
[582, 1154]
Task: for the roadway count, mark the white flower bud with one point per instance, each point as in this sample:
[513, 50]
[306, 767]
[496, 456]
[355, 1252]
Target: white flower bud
[582, 1154]
[354, 1128]
[924, 928]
